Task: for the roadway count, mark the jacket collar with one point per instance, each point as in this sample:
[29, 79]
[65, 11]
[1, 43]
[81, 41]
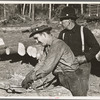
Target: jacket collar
[74, 29]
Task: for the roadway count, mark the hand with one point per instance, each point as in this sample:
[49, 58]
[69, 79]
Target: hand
[38, 84]
[40, 74]
[29, 79]
[26, 83]
[81, 59]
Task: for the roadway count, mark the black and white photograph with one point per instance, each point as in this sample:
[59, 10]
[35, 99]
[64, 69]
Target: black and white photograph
[49, 49]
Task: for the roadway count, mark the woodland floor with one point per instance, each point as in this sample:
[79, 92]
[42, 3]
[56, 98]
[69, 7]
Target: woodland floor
[13, 69]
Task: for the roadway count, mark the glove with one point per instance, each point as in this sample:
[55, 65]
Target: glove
[29, 79]
[81, 59]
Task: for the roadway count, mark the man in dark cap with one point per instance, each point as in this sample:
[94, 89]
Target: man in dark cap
[81, 41]
[59, 59]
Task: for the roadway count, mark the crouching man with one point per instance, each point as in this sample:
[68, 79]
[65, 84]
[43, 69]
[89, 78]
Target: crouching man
[59, 59]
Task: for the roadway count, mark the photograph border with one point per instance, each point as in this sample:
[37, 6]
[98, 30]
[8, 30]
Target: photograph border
[50, 2]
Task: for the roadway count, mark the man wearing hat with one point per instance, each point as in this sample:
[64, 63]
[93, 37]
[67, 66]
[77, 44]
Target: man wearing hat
[84, 47]
[59, 60]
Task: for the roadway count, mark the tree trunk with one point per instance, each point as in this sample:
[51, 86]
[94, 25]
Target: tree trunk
[82, 9]
[49, 11]
[30, 7]
[23, 9]
[89, 10]
[32, 12]
[67, 4]
[4, 12]
[97, 10]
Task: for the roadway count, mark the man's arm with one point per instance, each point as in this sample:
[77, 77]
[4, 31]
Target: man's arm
[51, 61]
[41, 62]
[92, 43]
[31, 76]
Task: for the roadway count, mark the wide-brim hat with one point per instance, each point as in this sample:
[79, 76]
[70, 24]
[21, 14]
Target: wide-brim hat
[68, 13]
[40, 29]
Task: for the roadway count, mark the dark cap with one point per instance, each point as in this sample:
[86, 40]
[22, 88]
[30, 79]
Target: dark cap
[40, 29]
[68, 13]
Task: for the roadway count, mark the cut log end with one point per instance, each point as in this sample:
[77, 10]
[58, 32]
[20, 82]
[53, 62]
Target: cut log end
[32, 51]
[21, 49]
[7, 51]
[1, 42]
[38, 56]
[29, 50]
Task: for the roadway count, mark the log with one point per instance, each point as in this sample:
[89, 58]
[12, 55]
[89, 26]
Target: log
[35, 51]
[9, 50]
[31, 48]
[21, 49]
[29, 51]
[1, 42]
[16, 43]
[1, 21]
[3, 51]
[7, 29]
[17, 49]
[32, 51]
[22, 18]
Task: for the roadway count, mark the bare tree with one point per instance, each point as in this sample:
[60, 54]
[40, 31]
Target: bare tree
[23, 9]
[30, 7]
[49, 11]
[4, 12]
[32, 12]
[81, 8]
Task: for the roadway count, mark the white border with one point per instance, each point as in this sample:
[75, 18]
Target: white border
[49, 2]
[50, 97]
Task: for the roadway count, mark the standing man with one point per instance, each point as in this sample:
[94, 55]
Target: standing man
[59, 59]
[71, 35]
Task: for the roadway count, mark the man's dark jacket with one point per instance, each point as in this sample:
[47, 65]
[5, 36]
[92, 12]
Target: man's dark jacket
[73, 39]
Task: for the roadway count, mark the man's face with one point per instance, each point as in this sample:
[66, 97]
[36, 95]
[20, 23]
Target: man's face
[65, 23]
[41, 38]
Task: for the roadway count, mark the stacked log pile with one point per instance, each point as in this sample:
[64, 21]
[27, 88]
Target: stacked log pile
[12, 41]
